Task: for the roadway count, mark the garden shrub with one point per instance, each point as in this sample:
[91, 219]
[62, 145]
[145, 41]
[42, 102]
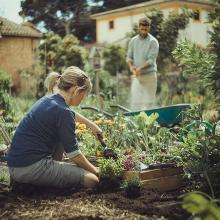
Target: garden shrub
[58, 53]
[111, 173]
[132, 187]
[5, 102]
[107, 83]
[4, 81]
[198, 153]
[114, 56]
[201, 206]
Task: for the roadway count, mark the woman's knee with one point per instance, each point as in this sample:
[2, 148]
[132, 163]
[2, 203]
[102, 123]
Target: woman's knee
[90, 180]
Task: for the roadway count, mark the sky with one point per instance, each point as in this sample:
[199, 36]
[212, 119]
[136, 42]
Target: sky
[9, 9]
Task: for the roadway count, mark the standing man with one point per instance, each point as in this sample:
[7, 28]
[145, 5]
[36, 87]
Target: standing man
[141, 58]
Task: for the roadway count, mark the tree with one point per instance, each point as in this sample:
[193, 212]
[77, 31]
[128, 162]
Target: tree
[69, 16]
[57, 53]
[204, 62]
[61, 16]
[113, 4]
[214, 17]
[114, 56]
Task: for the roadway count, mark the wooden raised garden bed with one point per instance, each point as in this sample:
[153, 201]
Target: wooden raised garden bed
[161, 179]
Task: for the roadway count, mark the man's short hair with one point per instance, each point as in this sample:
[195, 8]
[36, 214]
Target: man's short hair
[144, 21]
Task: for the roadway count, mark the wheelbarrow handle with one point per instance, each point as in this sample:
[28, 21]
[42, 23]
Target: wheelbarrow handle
[120, 107]
[107, 114]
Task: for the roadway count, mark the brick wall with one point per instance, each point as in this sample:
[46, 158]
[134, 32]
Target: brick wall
[18, 54]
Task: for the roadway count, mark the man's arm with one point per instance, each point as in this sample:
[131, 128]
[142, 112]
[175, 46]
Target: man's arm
[129, 58]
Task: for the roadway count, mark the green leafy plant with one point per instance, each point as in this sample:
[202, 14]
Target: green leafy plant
[201, 206]
[132, 187]
[111, 173]
[111, 169]
[195, 60]
[197, 151]
[134, 182]
[5, 101]
[214, 18]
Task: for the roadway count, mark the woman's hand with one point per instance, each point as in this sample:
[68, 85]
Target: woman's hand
[97, 131]
[97, 171]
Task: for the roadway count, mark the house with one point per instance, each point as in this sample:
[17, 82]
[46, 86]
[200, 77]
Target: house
[18, 51]
[112, 26]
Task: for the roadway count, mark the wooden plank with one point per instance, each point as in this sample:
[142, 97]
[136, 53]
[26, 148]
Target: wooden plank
[163, 184]
[156, 173]
[152, 174]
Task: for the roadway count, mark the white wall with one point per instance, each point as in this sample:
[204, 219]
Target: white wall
[196, 31]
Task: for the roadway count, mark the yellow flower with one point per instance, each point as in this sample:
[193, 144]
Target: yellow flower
[109, 122]
[122, 126]
[99, 121]
[98, 153]
[77, 132]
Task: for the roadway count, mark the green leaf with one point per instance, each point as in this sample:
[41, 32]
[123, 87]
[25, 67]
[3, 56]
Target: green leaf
[195, 203]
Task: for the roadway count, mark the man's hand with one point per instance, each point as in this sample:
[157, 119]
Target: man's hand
[138, 71]
[133, 70]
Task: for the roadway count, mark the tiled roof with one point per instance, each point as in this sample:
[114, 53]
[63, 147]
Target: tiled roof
[9, 28]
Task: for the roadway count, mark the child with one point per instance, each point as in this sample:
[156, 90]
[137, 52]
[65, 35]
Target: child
[48, 130]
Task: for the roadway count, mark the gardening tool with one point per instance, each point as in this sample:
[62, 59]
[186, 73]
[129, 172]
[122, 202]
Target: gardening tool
[107, 152]
[156, 165]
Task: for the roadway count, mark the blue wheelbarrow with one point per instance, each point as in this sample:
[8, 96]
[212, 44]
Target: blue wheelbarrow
[168, 116]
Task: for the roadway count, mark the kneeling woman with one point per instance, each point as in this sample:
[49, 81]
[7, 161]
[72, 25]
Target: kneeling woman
[46, 131]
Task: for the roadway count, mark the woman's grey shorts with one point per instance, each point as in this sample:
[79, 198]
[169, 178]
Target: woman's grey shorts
[49, 172]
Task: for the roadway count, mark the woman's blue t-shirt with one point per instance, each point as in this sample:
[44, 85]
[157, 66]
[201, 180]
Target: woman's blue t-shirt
[50, 121]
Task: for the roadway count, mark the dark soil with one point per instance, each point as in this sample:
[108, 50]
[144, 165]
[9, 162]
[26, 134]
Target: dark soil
[36, 203]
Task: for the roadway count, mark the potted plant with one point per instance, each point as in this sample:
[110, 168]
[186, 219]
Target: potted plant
[132, 187]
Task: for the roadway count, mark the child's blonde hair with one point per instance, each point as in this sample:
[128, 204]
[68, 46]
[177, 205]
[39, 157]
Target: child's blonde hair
[72, 76]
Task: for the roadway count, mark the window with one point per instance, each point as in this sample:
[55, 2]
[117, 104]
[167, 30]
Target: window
[111, 24]
[196, 15]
